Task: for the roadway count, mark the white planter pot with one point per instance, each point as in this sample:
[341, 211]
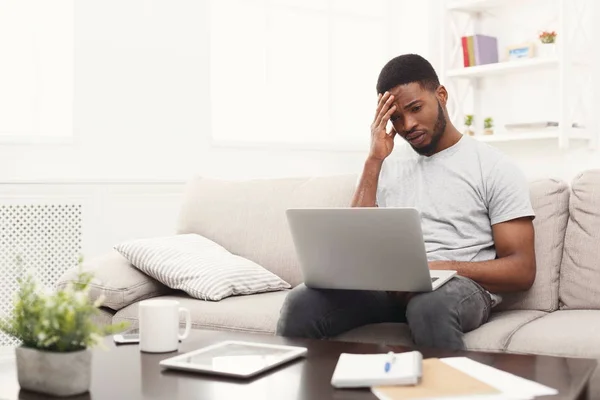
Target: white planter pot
[546, 50]
[56, 374]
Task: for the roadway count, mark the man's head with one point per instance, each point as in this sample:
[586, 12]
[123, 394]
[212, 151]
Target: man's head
[420, 116]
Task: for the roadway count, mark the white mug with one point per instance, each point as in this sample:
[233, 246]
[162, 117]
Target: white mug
[159, 325]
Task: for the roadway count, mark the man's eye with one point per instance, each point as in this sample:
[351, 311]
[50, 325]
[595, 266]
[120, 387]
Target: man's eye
[416, 109]
[392, 118]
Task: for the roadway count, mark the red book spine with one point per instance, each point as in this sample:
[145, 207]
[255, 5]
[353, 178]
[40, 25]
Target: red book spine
[465, 48]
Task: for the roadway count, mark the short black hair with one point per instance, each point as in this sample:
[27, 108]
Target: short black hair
[407, 68]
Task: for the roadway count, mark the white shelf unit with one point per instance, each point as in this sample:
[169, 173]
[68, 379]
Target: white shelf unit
[477, 6]
[503, 68]
[562, 64]
[547, 133]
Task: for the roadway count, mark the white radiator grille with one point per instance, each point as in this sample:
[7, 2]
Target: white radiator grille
[47, 237]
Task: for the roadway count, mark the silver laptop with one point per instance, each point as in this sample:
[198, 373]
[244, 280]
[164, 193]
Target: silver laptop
[363, 249]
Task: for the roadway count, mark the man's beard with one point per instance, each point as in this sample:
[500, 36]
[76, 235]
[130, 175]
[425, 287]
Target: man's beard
[438, 132]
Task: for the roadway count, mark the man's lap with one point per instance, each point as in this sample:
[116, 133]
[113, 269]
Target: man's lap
[332, 312]
[327, 313]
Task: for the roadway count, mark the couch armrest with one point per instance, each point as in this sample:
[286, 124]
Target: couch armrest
[117, 280]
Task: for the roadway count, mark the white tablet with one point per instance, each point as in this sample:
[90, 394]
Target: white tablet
[234, 358]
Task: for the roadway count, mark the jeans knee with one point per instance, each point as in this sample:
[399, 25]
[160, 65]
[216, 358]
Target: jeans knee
[430, 306]
[295, 314]
[433, 322]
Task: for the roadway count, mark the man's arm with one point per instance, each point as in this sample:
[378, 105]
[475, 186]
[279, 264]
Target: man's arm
[513, 270]
[366, 191]
[382, 144]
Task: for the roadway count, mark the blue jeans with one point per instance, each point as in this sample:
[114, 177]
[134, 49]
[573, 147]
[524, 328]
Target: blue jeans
[436, 319]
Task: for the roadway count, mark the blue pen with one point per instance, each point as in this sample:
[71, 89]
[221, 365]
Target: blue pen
[390, 361]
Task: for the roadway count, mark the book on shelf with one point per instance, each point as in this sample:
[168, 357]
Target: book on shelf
[479, 50]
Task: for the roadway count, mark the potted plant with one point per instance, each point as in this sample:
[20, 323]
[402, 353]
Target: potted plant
[488, 125]
[56, 332]
[547, 47]
[468, 123]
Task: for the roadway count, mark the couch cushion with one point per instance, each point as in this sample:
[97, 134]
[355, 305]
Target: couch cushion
[492, 336]
[104, 317]
[248, 217]
[257, 313]
[568, 333]
[498, 331]
[580, 270]
[117, 280]
[550, 201]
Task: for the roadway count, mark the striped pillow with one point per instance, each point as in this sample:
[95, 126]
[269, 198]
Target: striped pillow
[198, 266]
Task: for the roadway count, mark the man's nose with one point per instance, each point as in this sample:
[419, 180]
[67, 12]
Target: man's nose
[410, 123]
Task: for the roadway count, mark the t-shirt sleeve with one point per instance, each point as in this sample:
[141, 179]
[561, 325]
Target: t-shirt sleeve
[507, 193]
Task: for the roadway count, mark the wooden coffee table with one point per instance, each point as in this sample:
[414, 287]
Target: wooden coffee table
[122, 372]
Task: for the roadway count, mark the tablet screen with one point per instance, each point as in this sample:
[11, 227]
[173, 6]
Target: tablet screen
[237, 358]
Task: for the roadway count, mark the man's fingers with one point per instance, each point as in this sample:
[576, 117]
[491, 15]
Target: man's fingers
[386, 117]
[382, 99]
[379, 104]
[383, 109]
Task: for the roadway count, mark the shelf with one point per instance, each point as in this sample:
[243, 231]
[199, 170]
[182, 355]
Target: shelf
[477, 6]
[503, 68]
[549, 133]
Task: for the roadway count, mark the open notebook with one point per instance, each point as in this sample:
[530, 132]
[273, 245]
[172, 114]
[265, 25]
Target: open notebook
[366, 370]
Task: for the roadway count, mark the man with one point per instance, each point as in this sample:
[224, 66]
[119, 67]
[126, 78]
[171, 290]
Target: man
[475, 212]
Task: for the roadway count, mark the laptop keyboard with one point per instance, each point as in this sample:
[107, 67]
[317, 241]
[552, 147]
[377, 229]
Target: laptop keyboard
[434, 279]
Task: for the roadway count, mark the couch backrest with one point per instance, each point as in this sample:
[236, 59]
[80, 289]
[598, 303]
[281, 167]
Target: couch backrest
[580, 270]
[248, 217]
[550, 201]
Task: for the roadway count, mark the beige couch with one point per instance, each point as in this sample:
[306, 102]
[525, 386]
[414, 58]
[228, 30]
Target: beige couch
[557, 316]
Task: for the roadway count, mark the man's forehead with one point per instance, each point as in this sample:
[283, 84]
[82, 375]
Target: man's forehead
[408, 92]
[407, 88]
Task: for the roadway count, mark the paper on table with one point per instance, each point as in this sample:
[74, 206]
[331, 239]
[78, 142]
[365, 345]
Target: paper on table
[439, 380]
[510, 385]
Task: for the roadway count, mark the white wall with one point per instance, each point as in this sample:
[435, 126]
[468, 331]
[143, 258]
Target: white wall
[141, 111]
[142, 106]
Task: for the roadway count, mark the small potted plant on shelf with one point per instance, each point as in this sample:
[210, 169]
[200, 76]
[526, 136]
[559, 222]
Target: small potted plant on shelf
[547, 46]
[56, 331]
[488, 126]
[468, 123]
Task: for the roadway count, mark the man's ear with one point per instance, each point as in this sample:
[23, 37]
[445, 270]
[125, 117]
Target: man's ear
[442, 94]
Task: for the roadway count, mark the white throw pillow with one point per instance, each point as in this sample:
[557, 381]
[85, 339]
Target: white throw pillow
[198, 266]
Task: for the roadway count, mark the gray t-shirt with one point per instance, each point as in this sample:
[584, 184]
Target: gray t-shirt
[460, 192]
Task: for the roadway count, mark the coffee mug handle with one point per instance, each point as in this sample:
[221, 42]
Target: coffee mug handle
[188, 322]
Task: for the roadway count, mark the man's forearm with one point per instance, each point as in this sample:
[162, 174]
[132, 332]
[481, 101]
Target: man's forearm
[366, 192]
[506, 274]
